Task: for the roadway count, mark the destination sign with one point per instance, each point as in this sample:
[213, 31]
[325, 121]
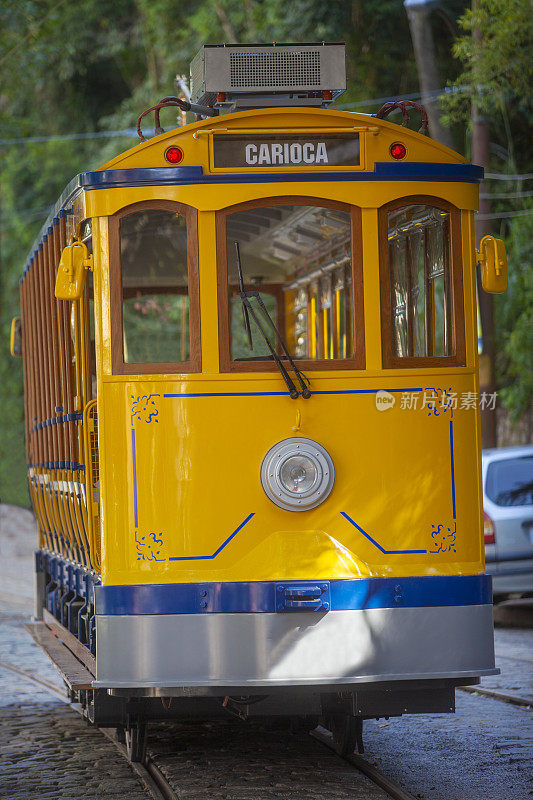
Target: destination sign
[302, 150]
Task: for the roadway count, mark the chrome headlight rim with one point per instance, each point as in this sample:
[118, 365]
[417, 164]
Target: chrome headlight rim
[278, 455]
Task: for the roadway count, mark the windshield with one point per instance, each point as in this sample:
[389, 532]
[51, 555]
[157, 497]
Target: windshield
[299, 259]
[510, 482]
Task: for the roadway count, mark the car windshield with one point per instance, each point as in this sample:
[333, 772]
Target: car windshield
[510, 482]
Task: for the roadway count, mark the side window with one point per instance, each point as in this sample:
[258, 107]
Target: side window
[299, 259]
[155, 287]
[420, 281]
[160, 324]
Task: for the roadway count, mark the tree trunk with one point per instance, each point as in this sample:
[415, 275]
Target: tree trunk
[426, 63]
[480, 155]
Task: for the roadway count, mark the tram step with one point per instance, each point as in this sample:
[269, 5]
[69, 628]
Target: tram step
[74, 673]
[80, 650]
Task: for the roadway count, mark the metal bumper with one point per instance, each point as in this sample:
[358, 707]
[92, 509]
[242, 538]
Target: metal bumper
[269, 649]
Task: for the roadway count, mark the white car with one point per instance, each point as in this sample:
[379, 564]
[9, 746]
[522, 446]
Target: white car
[508, 516]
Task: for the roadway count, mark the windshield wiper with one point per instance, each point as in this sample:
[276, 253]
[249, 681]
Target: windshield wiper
[247, 311]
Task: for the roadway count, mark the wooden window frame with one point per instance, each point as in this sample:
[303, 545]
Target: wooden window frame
[456, 312]
[119, 366]
[358, 320]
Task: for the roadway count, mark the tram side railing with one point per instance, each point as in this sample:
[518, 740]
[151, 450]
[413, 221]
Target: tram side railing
[92, 485]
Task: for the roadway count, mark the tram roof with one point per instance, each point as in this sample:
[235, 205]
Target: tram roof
[444, 156]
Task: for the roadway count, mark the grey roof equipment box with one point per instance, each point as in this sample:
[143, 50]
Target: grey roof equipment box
[260, 75]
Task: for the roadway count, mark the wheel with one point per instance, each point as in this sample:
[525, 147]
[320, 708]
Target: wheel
[347, 733]
[136, 742]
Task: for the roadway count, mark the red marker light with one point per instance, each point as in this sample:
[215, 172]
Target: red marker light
[174, 154]
[398, 150]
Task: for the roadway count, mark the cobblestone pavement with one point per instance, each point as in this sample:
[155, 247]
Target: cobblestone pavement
[482, 752]
[514, 657]
[46, 749]
[244, 761]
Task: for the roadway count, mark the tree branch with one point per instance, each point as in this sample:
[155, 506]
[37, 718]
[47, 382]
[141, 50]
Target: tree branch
[226, 24]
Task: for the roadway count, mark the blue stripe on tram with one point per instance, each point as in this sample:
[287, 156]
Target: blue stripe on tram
[260, 596]
[383, 171]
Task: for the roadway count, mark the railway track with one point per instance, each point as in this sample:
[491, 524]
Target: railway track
[501, 696]
[141, 770]
[152, 771]
[50, 687]
[152, 775]
[392, 788]
[157, 765]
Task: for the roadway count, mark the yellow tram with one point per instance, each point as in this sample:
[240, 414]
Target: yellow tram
[252, 424]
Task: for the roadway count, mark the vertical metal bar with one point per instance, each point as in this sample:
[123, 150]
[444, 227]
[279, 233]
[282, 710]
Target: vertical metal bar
[32, 315]
[89, 427]
[61, 311]
[28, 402]
[81, 393]
[410, 310]
[65, 310]
[37, 403]
[428, 289]
[312, 323]
[35, 437]
[448, 297]
[49, 393]
[79, 321]
[349, 310]
[23, 311]
[320, 318]
[51, 399]
[56, 395]
[42, 387]
[335, 317]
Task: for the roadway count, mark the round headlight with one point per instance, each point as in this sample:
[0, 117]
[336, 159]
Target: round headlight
[297, 474]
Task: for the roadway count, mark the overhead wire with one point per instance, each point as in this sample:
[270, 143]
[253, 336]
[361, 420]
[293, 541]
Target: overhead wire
[504, 195]
[506, 214]
[64, 136]
[496, 176]
[131, 132]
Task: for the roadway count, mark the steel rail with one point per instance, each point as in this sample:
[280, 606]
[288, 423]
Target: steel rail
[160, 788]
[159, 779]
[393, 789]
[503, 697]
[49, 686]
[152, 778]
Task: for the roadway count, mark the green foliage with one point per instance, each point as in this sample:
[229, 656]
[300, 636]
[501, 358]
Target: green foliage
[514, 321]
[156, 328]
[496, 51]
[94, 65]
[240, 347]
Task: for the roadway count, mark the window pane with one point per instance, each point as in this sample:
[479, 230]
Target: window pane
[299, 259]
[241, 347]
[419, 264]
[153, 253]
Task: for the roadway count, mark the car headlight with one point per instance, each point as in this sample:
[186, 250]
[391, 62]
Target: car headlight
[297, 474]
